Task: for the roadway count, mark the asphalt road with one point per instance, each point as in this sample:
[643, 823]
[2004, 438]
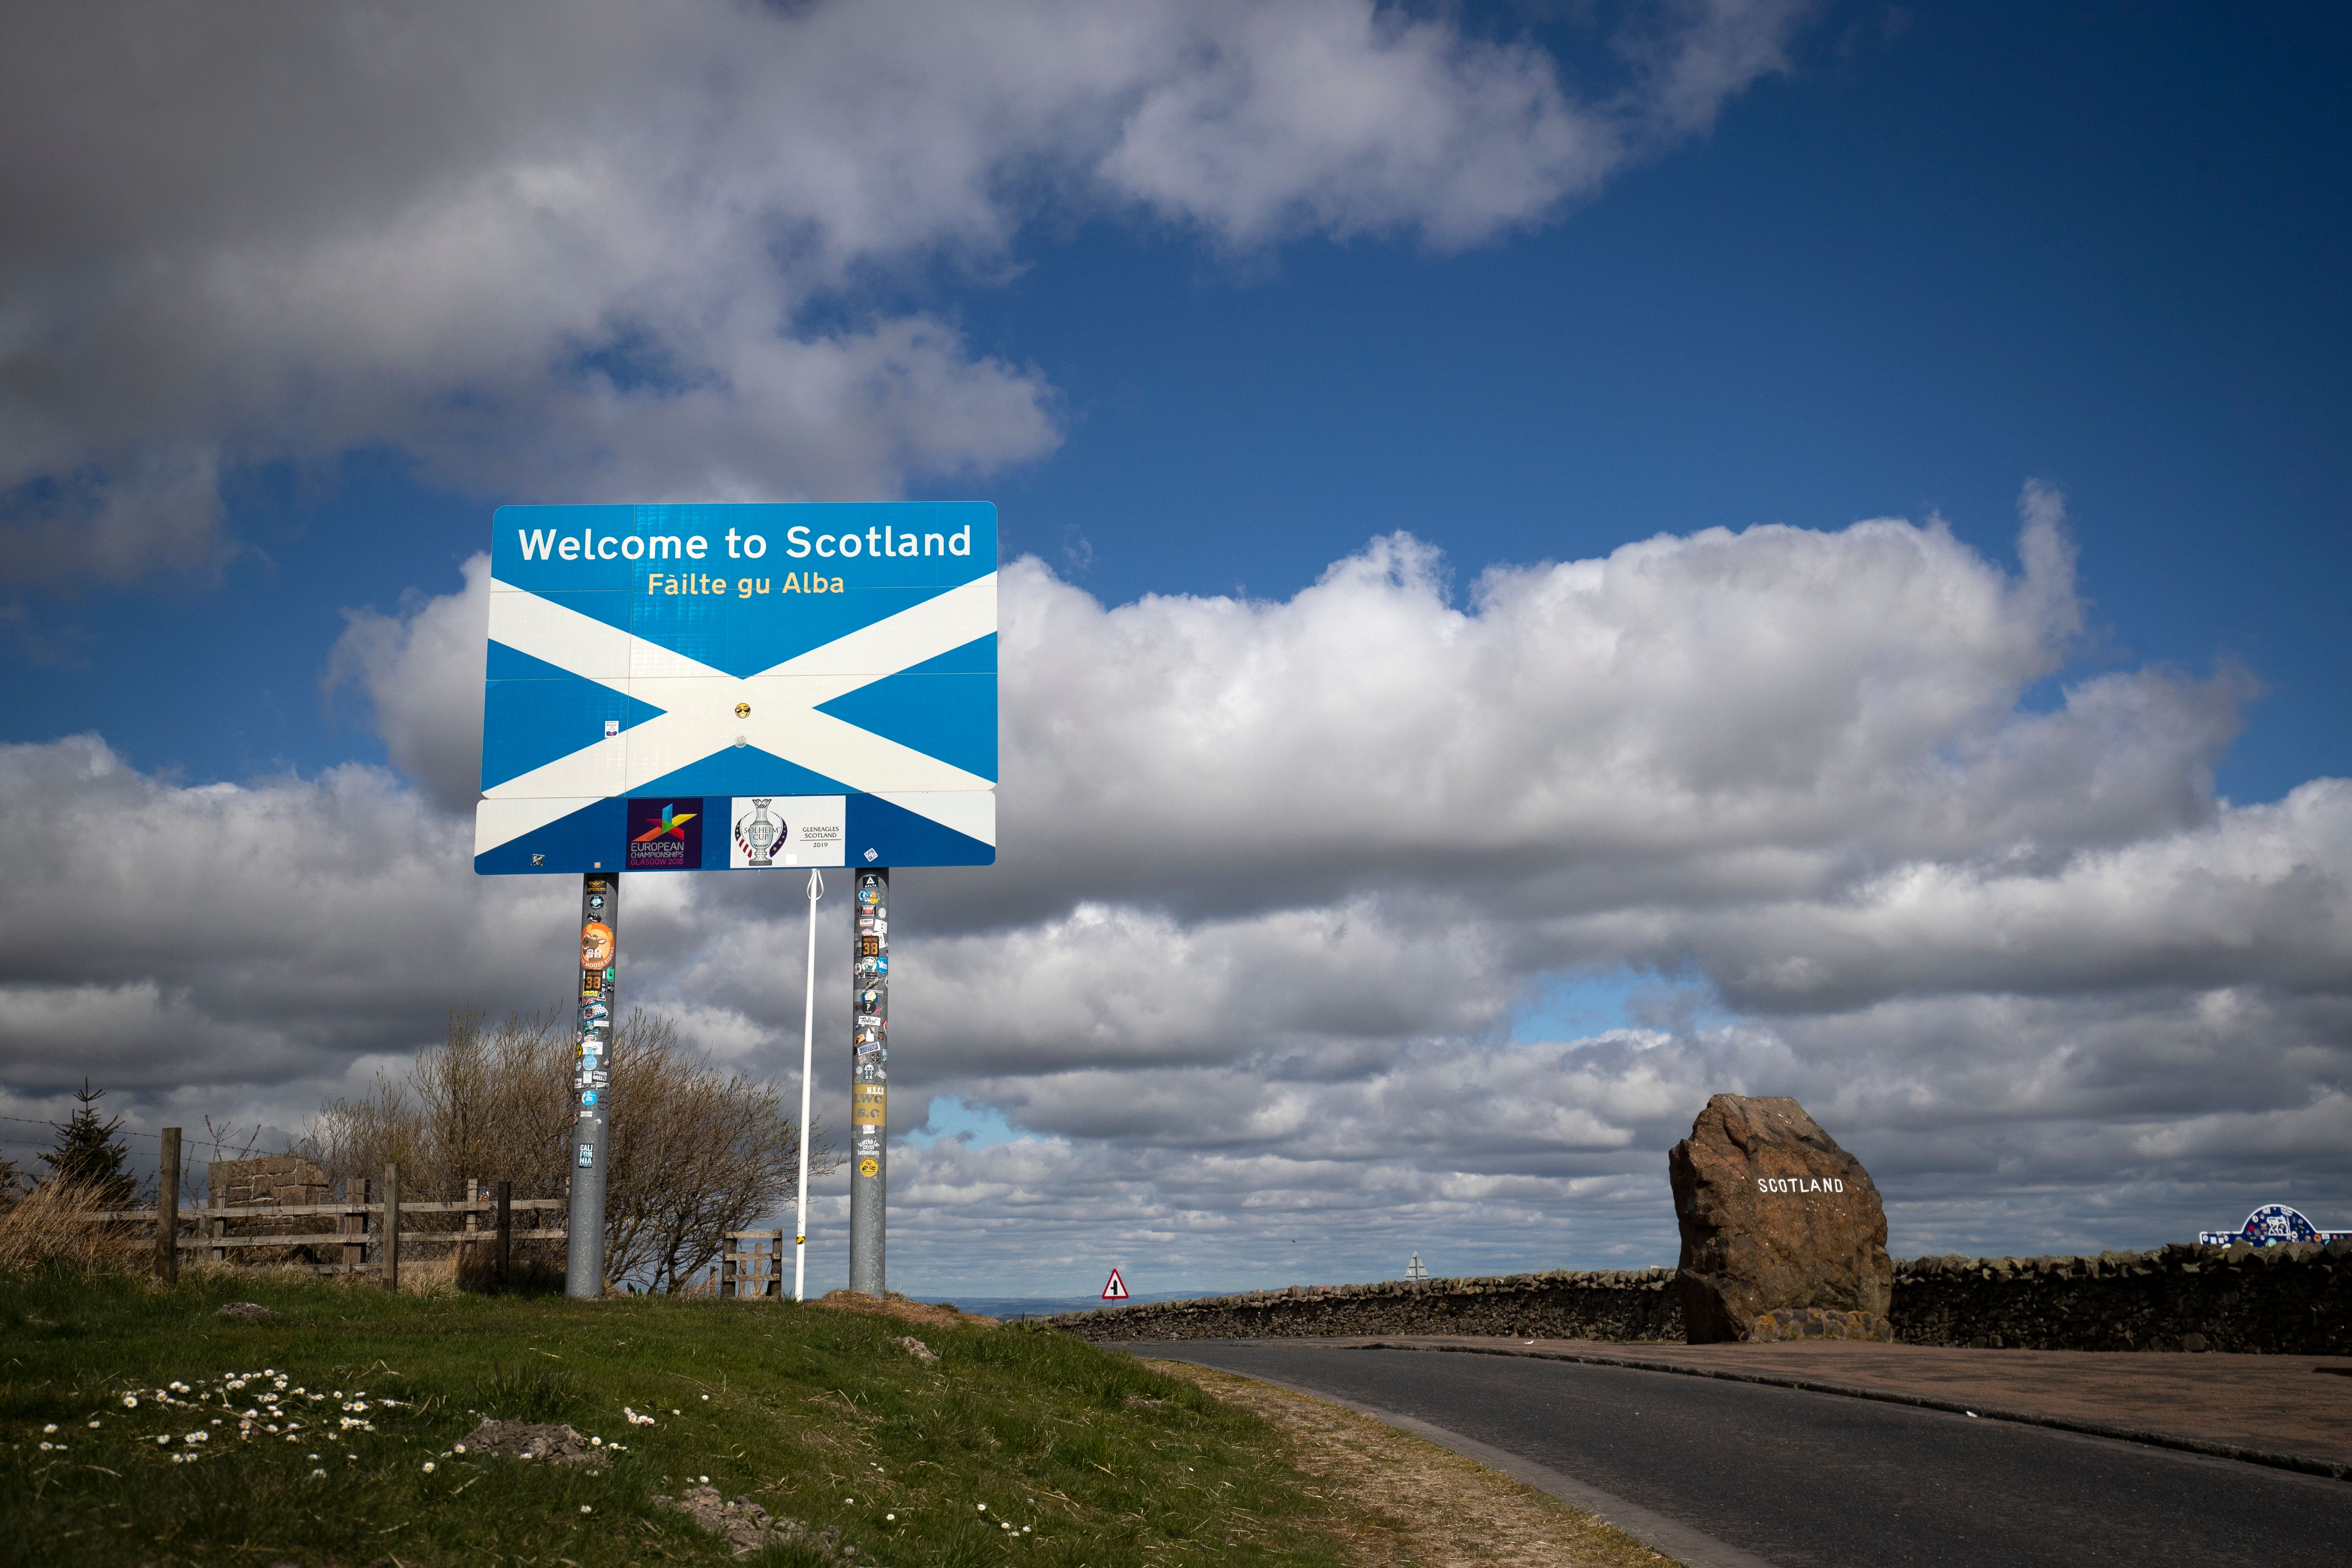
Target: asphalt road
[1728, 1474]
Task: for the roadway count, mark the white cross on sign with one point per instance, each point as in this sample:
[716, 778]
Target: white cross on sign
[1115, 1288]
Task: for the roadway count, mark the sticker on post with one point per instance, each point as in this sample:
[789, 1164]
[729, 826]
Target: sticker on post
[587, 1155]
[595, 946]
[869, 1169]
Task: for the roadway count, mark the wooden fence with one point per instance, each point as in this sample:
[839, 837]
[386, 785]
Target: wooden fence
[750, 1263]
[757, 1271]
[369, 1212]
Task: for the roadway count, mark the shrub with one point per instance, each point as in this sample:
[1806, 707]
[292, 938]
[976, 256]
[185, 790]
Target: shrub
[695, 1152]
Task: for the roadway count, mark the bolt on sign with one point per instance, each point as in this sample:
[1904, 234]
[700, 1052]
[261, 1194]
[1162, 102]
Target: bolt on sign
[747, 688]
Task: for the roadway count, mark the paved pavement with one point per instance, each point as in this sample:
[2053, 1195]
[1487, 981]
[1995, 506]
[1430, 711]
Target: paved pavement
[1733, 1475]
[2283, 1404]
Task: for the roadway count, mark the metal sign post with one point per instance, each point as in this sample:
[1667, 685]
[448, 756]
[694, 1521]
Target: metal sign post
[808, 1061]
[591, 1118]
[869, 1091]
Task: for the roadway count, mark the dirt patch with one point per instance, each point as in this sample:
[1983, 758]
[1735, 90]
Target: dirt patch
[750, 1528]
[896, 1306]
[528, 1440]
[1407, 1501]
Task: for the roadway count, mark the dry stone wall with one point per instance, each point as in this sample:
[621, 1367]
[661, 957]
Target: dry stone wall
[2280, 1300]
[1604, 1305]
[2295, 1300]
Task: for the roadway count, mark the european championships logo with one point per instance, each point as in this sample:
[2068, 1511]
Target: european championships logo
[671, 824]
[666, 845]
[757, 834]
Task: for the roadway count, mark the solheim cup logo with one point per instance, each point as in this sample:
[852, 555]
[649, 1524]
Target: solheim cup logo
[757, 834]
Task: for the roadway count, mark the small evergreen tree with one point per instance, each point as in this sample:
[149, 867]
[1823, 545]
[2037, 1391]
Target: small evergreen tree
[88, 1150]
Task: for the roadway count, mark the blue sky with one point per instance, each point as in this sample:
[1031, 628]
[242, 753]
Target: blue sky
[1931, 256]
[1949, 249]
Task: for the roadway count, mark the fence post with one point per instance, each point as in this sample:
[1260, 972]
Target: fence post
[390, 1248]
[506, 1230]
[167, 1209]
[219, 1227]
[353, 1223]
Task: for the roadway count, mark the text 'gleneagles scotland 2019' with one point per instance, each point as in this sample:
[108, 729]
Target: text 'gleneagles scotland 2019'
[548, 544]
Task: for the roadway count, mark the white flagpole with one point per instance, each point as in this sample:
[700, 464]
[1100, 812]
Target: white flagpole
[808, 1059]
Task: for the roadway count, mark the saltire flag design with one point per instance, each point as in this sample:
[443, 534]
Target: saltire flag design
[835, 663]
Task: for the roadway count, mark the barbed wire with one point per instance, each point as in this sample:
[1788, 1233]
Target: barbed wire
[119, 1133]
[59, 1127]
[189, 1146]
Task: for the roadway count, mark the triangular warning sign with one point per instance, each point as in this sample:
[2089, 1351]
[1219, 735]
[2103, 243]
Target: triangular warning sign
[1115, 1288]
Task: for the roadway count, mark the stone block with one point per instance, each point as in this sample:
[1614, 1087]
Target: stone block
[276, 1179]
[1774, 1215]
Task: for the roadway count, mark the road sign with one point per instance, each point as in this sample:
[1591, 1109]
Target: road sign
[2273, 1224]
[1115, 1288]
[739, 688]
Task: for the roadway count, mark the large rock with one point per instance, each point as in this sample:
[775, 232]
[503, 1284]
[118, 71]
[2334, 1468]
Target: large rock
[1783, 1235]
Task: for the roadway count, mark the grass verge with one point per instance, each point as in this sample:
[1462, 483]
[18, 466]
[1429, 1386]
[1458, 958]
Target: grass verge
[1018, 1445]
[1405, 1501]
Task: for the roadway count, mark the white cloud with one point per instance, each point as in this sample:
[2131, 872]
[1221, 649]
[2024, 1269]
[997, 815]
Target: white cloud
[1722, 717]
[1278, 876]
[648, 248]
[423, 673]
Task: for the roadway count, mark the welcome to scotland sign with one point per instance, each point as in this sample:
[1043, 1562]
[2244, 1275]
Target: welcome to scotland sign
[703, 687]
